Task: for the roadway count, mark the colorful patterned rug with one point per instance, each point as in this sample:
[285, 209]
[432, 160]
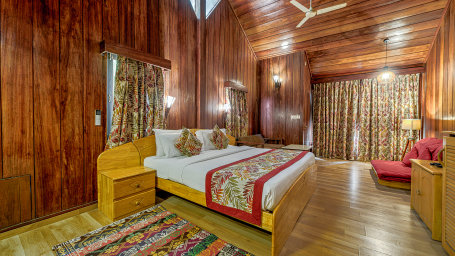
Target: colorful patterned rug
[154, 231]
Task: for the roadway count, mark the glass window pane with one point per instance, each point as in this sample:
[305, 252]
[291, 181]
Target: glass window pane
[210, 6]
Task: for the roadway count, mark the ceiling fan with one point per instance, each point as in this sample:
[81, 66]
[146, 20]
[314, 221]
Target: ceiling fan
[310, 13]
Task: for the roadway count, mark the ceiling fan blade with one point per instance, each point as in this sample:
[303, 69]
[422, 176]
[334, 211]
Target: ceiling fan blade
[300, 6]
[303, 21]
[330, 9]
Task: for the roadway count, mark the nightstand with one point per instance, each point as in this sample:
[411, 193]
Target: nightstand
[426, 194]
[122, 192]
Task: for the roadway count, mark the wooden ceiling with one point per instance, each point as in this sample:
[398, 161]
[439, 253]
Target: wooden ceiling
[345, 41]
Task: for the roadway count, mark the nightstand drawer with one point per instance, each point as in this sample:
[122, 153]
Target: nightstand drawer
[133, 185]
[134, 203]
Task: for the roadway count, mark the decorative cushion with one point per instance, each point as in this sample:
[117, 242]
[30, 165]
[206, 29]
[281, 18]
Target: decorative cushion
[192, 146]
[392, 170]
[434, 146]
[423, 151]
[434, 153]
[413, 154]
[181, 141]
[219, 139]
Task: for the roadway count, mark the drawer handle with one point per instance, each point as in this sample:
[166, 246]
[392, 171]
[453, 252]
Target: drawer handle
[138, 185]
[138, 203]
[419, 192]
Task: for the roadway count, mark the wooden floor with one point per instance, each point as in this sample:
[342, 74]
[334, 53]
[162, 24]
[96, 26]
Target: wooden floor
[348, 215]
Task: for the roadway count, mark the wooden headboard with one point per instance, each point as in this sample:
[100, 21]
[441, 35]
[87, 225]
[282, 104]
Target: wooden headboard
[133, 153]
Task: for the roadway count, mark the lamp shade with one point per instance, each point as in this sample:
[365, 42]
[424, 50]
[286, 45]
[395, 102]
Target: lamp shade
[411, 124]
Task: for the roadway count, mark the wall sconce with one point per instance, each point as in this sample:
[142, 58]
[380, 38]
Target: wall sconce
[169, 102]
[277, 81]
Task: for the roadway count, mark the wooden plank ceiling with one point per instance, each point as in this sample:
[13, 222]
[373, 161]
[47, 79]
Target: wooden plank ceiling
[345, 41]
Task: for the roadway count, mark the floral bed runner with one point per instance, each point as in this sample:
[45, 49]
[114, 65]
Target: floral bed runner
[236, 189]
[154, 231]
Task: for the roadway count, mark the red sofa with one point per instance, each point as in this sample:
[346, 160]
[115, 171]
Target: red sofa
[398, 173]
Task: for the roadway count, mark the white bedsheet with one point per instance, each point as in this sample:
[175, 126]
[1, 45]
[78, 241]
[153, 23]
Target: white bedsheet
[191, 171]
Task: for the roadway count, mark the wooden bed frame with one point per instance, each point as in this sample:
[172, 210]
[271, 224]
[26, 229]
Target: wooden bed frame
[280, 222]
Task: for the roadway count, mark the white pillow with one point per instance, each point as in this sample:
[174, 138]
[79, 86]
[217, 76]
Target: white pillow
[168, 141]
[158, 133]
[204, 136]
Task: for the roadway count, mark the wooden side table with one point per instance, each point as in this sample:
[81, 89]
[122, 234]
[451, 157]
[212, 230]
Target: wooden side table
[426, 195]
[122, 192]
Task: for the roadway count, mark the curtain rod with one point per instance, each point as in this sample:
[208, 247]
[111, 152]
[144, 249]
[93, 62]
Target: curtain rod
[122, 50]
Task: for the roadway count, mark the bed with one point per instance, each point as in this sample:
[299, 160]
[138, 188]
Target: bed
[284, 196]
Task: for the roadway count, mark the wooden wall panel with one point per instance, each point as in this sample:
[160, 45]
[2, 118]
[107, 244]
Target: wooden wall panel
[46, 107]
[292, 98]
[229, 58]
[16, 87]
[438, 107]
[16, 200]
[72, 102]
[178, 32]
[95, 94]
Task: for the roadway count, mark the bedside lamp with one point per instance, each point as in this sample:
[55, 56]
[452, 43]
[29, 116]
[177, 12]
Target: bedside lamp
[410, 125]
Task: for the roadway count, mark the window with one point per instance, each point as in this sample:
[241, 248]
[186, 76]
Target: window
[193, 3]
[210, 6]
[111, 68]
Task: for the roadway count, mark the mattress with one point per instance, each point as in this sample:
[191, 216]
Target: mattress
[191, 171]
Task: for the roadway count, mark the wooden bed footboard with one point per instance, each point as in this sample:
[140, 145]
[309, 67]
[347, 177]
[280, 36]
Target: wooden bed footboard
[283, 218]
[291, 206]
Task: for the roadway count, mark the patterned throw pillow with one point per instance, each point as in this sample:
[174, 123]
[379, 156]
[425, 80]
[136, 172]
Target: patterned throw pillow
[180, 143]
[193, 146]
[219, 139]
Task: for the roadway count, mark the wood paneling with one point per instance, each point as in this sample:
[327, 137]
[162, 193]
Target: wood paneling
[46, 109]
[71, 67]
[346, 40]
[16, 87]
[53, 80]
[292, 98]
[178, 37]
[229, 58]
[95, 94]
[16, 203]
[438, 107]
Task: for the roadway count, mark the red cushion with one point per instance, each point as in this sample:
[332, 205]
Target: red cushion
[413, 154]
[392, 170]
[423, 151]
[434, 154]
[435, 147]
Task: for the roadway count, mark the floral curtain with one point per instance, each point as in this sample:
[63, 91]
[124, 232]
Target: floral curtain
[138, 101]
[237, 115]
[335, 116]
[383, 107]
[361, 119]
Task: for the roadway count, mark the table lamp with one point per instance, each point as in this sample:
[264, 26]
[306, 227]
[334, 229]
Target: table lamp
[411, 125]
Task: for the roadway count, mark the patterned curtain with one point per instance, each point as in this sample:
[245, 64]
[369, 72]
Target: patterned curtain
[138, 101]
[361, 119]
[335, 116]
[384, 106]
[237, 115]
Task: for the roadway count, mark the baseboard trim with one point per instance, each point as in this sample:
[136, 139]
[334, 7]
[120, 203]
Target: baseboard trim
[40, 222]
